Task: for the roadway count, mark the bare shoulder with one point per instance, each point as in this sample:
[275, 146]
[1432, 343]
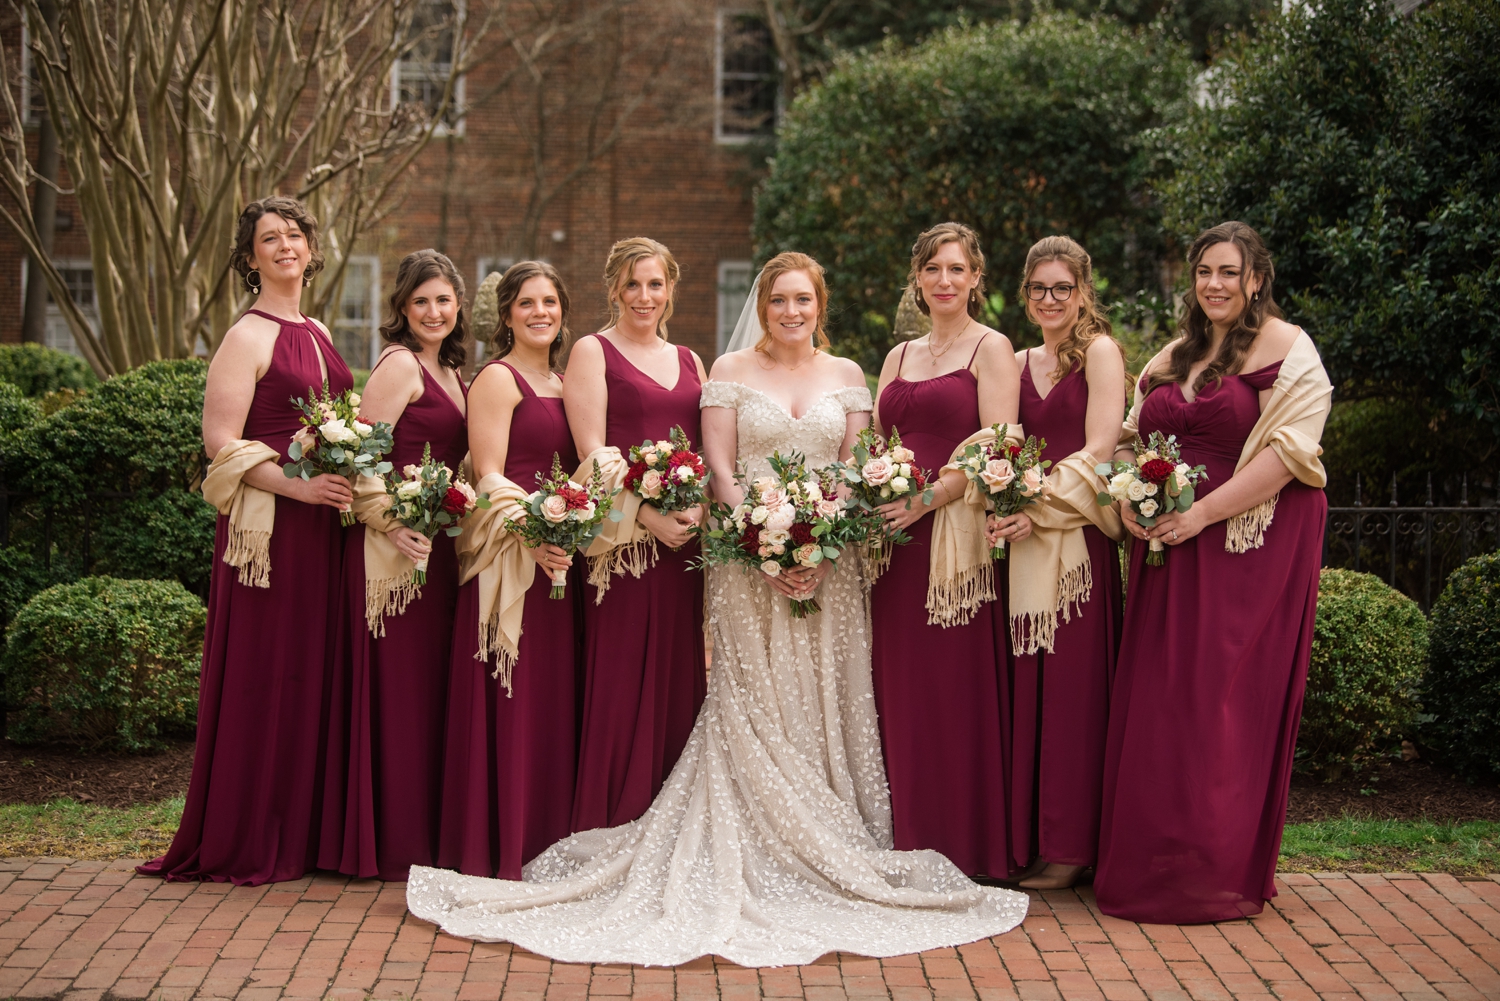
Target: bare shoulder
[698, 364]
[847, 370]
[731, 367]
[399, 361]
[995, 346]
[587, 349]
[494, 380]
[1278, 337]
[250, 341]
[1105, 351]
[321, 326]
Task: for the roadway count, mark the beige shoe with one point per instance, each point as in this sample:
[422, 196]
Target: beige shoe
[1054, 877]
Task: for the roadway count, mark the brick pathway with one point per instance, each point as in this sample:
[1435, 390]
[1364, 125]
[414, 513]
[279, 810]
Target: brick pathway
[91, 930]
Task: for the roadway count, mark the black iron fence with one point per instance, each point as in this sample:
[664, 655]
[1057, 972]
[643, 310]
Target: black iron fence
[1414, 548]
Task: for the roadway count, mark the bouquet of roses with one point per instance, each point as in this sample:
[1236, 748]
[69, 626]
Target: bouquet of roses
[334, 440]
[1011, 476]
[882, 471]
[430, 499]
[667, 473]
[564, 514]
[1156, 483]
[791, 519]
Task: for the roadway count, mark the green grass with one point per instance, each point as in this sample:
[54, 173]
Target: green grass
[1353, 844]
[65, 828]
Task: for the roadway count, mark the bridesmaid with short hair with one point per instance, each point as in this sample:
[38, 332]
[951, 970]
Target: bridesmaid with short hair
[386, 756]
[1213, 661]
[512, 743]
[253, 803]
[939, 690]
[644, 664]
[1072, 395]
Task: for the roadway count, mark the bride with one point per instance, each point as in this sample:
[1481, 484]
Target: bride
[770, 843]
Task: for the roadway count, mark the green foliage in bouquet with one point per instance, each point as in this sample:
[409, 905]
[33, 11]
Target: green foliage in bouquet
[566, 514]
[105, 663]
[1462, 692]
[1369, 654]
[37, 371]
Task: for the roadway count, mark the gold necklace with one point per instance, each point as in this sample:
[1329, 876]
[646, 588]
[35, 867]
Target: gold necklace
[544, 376]
[793, 368]
[938, 354]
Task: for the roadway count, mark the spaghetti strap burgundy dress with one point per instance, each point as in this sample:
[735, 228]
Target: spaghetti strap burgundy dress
[1208, 691]
[386, 746]
[1060, 700]
[939, 693]
[644, 667]
[511, 760]
[254, 801]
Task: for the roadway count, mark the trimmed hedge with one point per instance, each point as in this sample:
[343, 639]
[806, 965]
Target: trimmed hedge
[1369, 654]
[1462, 693]
[37, 370]
[105, 663]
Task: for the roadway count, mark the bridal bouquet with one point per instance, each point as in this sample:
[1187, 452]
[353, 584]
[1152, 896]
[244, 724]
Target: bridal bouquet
[667, 473]
[882, 471]
[430, 499]
[564, 514]
[1156, 483]
[334, 440]
[790, 519]
[1012, 476]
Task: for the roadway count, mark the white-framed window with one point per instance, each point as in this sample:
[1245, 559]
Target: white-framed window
[489, 265]
[747, 89]
[421, 73]
[356, 322]
[78, 275]
[734, 289]
[33, 101]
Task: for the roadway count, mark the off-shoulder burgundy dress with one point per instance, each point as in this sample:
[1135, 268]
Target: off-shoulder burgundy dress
[1208, 690]
[1060, 700]
[940, 693]
[510, 762]
[254, 801]
[644, 668]
[386, 745]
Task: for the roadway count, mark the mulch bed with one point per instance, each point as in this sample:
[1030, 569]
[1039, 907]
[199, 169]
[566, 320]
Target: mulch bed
[1399, 790]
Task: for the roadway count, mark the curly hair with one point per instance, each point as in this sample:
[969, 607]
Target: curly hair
[620, 265]
[1092, 323]
[776, 267]
[926, 248]
[242, 253]
[506, 294]
[416, 269]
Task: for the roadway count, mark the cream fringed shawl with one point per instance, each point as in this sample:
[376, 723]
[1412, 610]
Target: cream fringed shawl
[251, 510]
[1050, 570]
[960, 573]
[495, 556]
[1291, 424]
[624, 545]
[390, 584]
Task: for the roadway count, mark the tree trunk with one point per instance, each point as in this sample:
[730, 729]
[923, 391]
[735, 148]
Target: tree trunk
[44, 212]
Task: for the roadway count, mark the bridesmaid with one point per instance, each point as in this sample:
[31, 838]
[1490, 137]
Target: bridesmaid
[939, 691]
[644, 669]
[1213, 661]
[511, 755]
[252, 806]
[381, 812]
[1072, 395]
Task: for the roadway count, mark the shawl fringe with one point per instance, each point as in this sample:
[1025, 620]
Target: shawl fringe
[1031, 632]
[634, 558]
[491, 644]
[1247, 530]
[249, 552]
[953, 601]
[388, 596]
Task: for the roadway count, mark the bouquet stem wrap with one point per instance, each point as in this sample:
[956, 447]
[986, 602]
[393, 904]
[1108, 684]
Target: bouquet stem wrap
[622, 546]
[1291, 424]
[487, 551]
[960, 573]
[251, 510]
[1050, 571]
[389, 583]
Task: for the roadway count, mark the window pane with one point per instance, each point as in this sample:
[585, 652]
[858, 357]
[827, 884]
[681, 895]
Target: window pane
[355, 320]
[734, 289]
[748, 77]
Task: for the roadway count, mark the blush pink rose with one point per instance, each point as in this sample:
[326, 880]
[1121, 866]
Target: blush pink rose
[651, 484]
[555, 508]
[878, 471]
[998, 474]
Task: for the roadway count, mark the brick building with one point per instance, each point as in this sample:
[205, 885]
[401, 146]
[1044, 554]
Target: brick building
[681, 171]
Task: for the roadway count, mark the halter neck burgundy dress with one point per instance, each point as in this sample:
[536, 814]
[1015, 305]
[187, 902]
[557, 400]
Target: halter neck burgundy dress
[511, 760]
[644, 670]
[385, 749]
[253, 802]
[940, 693]
[1060, 700]
[1208, 691]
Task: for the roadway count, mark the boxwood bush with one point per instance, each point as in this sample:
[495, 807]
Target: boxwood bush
[37, 371]
[1462, 693]
[105, 664]
[1369, 654]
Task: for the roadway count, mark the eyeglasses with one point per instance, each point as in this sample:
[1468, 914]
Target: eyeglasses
[1060, 293]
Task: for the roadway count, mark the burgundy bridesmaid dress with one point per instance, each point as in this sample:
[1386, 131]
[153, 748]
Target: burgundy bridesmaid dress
[1208, 691]
[939, 692]
[511, 760]
[386, 753]
[253, 804]
[644, 670]
[1060, 700]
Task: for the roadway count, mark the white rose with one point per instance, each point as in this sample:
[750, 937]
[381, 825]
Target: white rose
[409, 488]
[1151, 490]
[1182, 481]
[649, 457]
[903, 454]
[353, 399]
[337, 432]
[830, 509]
[814, 492]
[900, 484]
[685, 473]
[584, 513]
[1181, 467]
[411, 471]
[1119, 486]
[555, 508]
[1136, 491]
[771, 568]
[664, 446]
[878, 470]
[782, 518]
[998, 474]
[774, 538]
[759, 514]
[650, 484]
[903, 469]
[1148, 508]
[362, 429]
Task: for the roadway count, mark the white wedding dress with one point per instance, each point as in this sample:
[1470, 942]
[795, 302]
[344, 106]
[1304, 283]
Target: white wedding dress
[770, 842]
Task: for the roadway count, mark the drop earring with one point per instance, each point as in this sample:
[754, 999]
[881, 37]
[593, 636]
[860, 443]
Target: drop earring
[252, 281]
[307, 276]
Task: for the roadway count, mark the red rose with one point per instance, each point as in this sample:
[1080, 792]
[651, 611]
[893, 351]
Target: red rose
[634, 474]
[1156, 470]
[454, 501]
[750, 540]
[801, 533]
[920, 477]
[1014, 450]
